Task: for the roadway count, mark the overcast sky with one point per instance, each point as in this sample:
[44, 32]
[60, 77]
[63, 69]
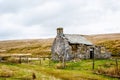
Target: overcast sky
[29, 19]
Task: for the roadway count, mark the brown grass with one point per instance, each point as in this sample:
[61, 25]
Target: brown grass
[103, 37]
[6, 72]
[112, 71]
[37, 47]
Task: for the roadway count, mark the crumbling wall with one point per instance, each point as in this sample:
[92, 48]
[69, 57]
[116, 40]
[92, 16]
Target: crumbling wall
[61, 49]
[101, 53]
[81, 51]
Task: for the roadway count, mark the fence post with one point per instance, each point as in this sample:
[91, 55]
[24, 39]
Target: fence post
[49, 61]
[40, 60]
[93, 59]
[116, 61]
[27, 59]
[20, 60]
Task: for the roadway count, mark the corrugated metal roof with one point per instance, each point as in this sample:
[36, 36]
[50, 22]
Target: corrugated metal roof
[77, 39]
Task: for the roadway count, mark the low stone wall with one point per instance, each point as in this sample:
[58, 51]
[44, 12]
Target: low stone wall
[97, 56]
[105, 55]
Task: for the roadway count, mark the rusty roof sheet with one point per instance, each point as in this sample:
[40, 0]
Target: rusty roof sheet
[77, 39]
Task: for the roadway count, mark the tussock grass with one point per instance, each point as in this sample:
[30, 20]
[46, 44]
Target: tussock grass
[80, 70]
[22, 72]
[6, 72]
[109, 69]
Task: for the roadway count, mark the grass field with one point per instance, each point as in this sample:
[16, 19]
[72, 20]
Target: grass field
[80, 70]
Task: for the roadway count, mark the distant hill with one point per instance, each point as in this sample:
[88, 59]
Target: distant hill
[103, 37]
[34, 46]
[43, 46]
[110, 41]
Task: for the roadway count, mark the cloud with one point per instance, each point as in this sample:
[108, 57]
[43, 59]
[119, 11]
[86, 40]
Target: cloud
[15, 6]
[39, 18]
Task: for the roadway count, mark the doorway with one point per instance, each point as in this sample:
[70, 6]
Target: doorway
[91, 54]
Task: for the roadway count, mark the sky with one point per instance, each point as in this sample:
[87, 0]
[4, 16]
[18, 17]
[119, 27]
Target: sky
[35, 19]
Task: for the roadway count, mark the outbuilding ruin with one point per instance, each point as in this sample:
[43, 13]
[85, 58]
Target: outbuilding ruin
[71, 46]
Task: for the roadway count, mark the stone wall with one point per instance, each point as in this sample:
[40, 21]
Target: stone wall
[61, 48]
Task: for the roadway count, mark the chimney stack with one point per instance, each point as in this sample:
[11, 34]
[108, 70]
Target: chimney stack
[59, 30]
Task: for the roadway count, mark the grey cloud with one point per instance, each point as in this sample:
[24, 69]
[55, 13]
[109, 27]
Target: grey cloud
[112, 5]
[14, 6]
[66, 15]
[40, 18]
[60, 17]
[6, 34]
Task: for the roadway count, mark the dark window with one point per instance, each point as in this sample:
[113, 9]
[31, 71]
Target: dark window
[74, 47]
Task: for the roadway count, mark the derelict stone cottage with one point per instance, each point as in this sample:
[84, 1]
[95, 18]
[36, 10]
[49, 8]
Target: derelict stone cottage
[71, 46]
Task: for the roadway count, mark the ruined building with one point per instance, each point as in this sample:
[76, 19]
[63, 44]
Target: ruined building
[71, 46]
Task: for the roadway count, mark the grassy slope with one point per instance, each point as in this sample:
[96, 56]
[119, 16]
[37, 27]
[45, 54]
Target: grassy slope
[43, 46]
[103, 37]
[37, 46]
[22, 72]
[81, 70]
[110, 41]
